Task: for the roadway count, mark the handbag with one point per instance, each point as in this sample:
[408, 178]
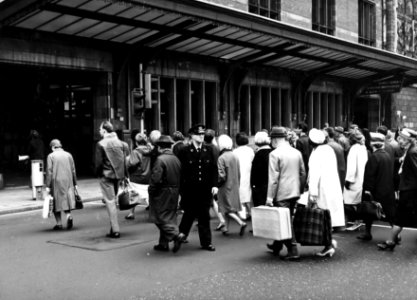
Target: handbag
[47, 206]
[312, 226]
[78, 201]
[128, 197]
[370, 209]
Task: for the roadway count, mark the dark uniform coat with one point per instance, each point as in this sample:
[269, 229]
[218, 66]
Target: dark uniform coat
[198, 176]
[378, 180]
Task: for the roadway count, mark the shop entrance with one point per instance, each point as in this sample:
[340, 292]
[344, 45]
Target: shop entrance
[56, 103]
[367, 113]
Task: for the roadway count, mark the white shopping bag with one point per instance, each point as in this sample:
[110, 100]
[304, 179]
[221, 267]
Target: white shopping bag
[47, 206]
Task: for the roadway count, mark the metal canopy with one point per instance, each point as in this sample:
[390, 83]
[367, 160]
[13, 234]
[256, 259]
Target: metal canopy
[198, 28]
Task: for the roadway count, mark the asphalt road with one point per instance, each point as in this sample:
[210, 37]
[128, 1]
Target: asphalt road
[38, 263]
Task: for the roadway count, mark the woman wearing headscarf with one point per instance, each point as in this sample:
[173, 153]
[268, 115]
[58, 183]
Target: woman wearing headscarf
[355, 170]
[259, 171]
[229, 178]
[61, 183]
[324, 185]
[406, 213]
[139, 168]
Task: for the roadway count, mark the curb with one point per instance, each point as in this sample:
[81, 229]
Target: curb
[37, 207]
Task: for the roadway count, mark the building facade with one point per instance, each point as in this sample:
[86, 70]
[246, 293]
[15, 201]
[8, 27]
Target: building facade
[235, 65]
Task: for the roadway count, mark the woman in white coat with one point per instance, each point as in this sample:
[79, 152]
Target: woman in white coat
[323, 183]
[245, 154]
[355, 170]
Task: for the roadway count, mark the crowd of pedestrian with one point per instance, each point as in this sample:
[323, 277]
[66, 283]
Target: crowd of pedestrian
[334, 169]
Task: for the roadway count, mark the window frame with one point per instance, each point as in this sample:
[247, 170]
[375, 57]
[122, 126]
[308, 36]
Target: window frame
[267, 8]
[367, 22]
[324, 16]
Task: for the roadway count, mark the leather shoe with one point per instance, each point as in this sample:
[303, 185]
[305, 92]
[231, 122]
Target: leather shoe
[208, 248]
[160, 247]
[275, 250]
[57, 227]
[178, 241]
[291, 257]
[130, 217]
[70, 223]
[220, 227]
[113, 235]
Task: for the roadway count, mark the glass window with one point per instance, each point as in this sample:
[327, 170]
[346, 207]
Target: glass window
[267, 8]
[367, 20]
[324, 16]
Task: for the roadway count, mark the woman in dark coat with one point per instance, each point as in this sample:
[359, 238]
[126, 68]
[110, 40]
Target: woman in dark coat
[406, 213]
[378, 182]
[163, 195]
[229, 178]
[259, 171]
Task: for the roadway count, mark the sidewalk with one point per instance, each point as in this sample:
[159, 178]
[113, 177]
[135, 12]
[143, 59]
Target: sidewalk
[19, 199]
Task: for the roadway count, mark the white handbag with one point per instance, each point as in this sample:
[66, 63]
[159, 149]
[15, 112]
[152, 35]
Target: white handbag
[47, 206]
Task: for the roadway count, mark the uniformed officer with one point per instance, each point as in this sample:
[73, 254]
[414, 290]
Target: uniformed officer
[198, 184]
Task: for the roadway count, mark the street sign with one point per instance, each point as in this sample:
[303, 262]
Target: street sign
[384, 86]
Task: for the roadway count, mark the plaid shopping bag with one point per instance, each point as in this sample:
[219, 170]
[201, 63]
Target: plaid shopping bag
[312, 226]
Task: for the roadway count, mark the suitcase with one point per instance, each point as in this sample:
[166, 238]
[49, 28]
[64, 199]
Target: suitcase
[312, 226]
[271, 222]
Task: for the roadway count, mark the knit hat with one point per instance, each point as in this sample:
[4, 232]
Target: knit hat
[316, 136]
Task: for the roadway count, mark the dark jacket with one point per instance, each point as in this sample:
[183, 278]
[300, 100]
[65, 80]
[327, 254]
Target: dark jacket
[305, 148]
[110, 157]
[259, 176]
[198, 175]
[36, 149]
[408, 176]
[341, 162]
[378, 180]
[139, 165]
[164, 188]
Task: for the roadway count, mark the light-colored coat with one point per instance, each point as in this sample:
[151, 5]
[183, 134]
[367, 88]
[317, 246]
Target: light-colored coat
[324, 183]
[286, 173]
[229, 177]
[355, 170]
[61, 178]
[245, 155]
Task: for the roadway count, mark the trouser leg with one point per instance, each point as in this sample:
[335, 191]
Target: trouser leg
[109, 191]
[204, 230]
[187, 221]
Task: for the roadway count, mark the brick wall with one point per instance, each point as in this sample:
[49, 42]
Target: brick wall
[406, 103]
